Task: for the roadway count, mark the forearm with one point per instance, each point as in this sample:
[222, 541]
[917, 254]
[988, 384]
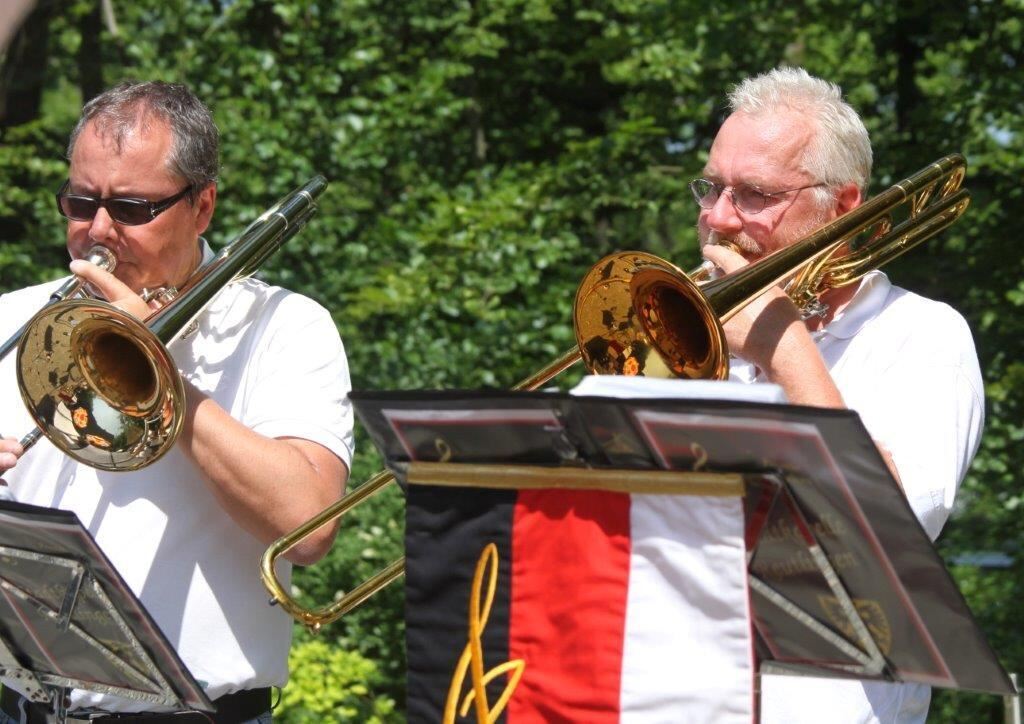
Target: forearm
[268, 486]
[795, 364]
[769, 332]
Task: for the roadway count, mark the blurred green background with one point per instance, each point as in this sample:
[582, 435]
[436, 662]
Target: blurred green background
[483, 154]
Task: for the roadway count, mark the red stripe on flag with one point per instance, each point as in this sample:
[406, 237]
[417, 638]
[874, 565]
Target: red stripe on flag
[570, 572]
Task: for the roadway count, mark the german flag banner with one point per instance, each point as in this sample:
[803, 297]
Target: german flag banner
[554, 605]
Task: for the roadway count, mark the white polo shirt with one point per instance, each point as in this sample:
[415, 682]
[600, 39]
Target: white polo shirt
[271, 358]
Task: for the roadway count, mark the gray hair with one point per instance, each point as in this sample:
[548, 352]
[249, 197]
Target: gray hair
[195, 146]
[841, 150]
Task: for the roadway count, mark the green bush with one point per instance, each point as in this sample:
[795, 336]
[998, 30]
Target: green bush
[330, 684]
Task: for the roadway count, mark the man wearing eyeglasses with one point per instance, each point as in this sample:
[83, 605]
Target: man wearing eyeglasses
[267, 436]
[792, 157]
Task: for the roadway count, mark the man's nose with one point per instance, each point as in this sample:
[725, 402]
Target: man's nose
[102, 225]
[722, 216]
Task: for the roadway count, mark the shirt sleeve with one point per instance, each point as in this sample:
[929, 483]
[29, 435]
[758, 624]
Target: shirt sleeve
[301, 379]
[933, 459]
[931, 422]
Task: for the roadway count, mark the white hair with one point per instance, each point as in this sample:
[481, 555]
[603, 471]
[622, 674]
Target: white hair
[841, 150]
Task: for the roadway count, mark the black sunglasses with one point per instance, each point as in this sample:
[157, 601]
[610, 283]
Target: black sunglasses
[127, 211]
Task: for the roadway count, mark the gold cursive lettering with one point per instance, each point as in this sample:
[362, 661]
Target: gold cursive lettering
[701, 456]
[444, 450]
[472, 658]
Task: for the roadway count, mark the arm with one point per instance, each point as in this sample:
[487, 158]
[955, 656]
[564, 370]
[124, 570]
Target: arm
[269, 486]
[770, 333]
[267, 483]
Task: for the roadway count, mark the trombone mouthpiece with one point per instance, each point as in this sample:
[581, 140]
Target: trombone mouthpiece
[99, 255]
[102, 257]
[707, 267]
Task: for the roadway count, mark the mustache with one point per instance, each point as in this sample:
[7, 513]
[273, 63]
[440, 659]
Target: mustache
[740, 241]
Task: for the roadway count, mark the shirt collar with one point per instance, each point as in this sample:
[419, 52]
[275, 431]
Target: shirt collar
[207, 252]
[867, 300]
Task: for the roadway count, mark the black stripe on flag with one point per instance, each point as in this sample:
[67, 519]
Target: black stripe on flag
[446, 532]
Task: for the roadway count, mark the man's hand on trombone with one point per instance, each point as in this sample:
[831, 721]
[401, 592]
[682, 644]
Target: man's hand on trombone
[113, 289]
[10, 451]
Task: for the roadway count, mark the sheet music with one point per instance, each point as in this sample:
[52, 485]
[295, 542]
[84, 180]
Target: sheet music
[651, 387]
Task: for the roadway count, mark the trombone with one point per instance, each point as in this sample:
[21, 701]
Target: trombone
[638, 314]
[101, 385]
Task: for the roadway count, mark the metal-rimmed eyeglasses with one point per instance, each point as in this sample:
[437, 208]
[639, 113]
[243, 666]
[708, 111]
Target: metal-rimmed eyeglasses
[123, 210]
[748, 199]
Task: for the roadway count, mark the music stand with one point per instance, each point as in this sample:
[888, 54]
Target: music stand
[68, 620]
[843, 580]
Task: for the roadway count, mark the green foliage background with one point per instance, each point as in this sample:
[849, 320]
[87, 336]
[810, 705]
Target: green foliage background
[483, 154]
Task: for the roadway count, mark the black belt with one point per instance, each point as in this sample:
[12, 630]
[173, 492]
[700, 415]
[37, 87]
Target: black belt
[235, 708]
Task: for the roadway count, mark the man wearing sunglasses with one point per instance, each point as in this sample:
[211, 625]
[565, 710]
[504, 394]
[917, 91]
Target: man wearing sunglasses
[267, 437]
[790, 158]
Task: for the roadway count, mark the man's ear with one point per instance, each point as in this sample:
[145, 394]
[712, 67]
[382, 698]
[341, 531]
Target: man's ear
[848, 197]
[204, 207]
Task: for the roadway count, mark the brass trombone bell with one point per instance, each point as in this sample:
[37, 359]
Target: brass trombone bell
[637, 314]
[100, 385]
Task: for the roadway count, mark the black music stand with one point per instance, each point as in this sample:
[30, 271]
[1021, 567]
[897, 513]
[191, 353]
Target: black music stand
[68, 620]
[843, 580]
